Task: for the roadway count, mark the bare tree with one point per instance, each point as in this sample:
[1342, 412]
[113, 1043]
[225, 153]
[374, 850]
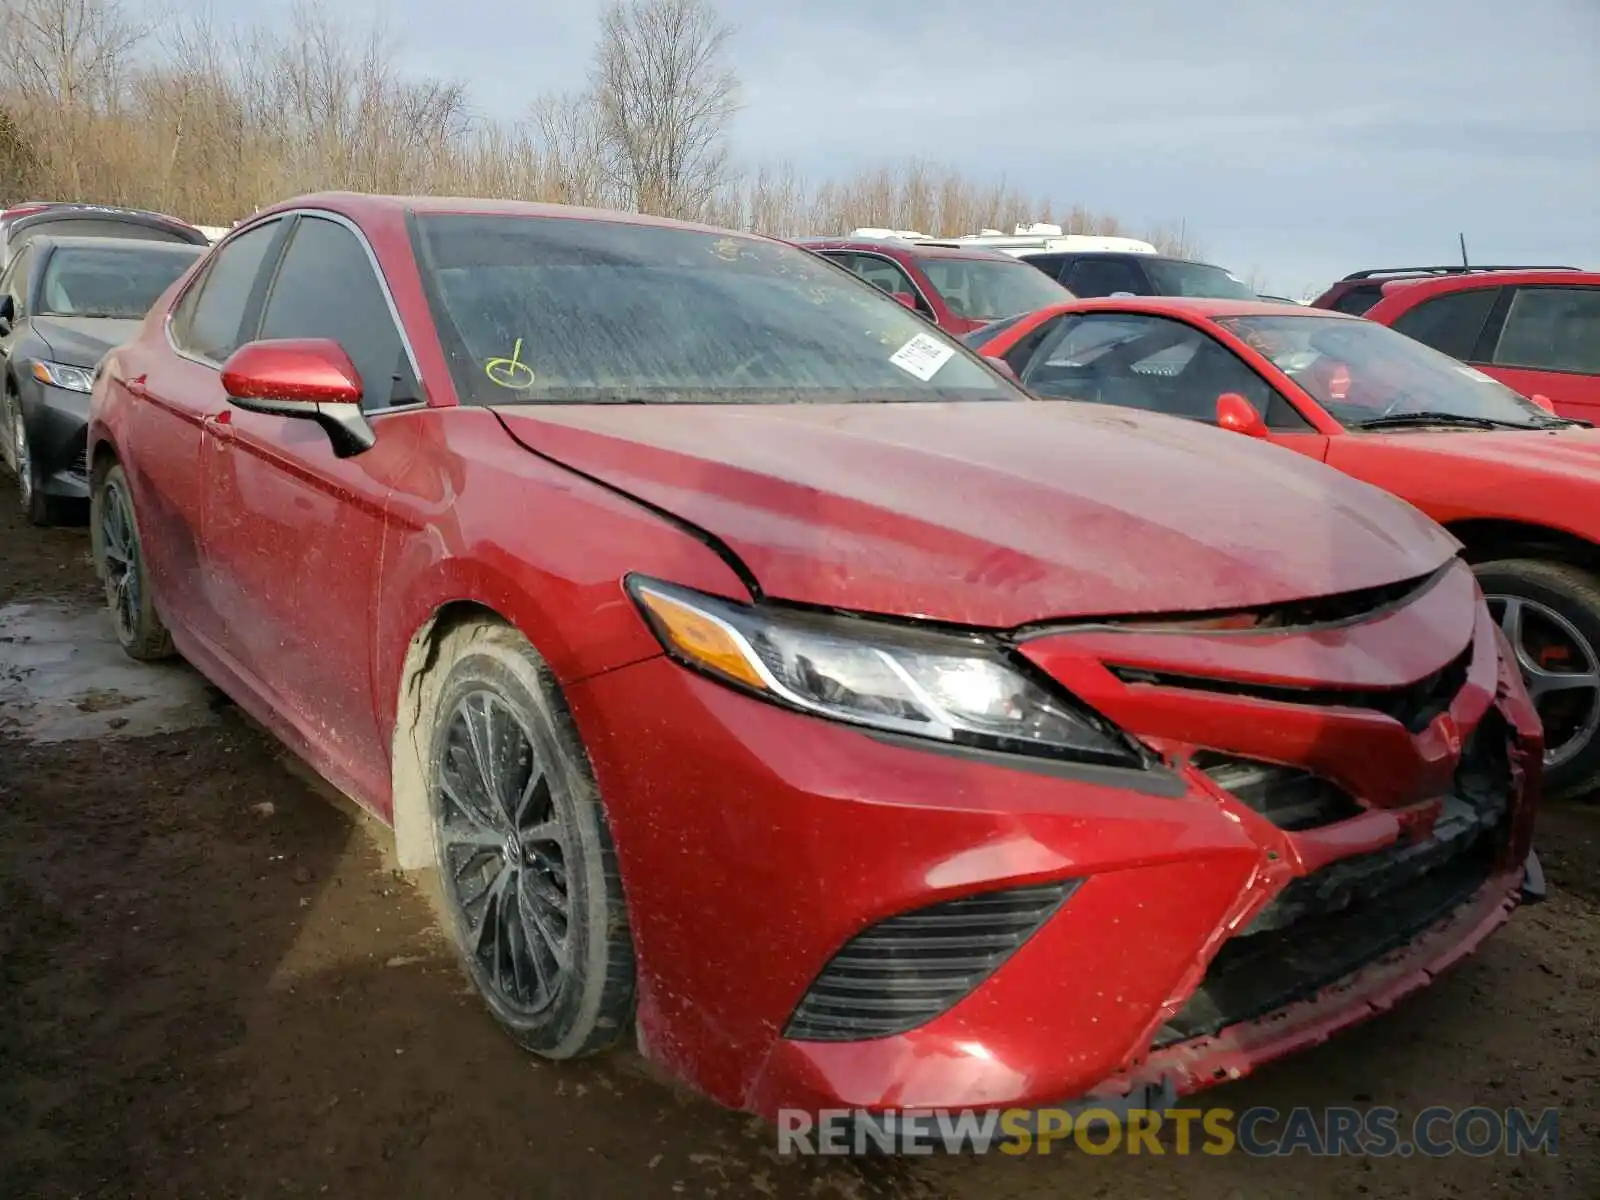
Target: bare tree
[664, 98]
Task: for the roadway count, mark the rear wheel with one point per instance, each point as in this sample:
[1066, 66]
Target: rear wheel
[119, 561]
[1550, 613]
[527, 873]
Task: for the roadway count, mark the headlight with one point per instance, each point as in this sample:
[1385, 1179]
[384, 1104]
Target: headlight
[74, 379]
[941, 686]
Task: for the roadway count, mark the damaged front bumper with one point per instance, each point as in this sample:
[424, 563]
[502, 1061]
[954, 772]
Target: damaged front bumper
[825, 918]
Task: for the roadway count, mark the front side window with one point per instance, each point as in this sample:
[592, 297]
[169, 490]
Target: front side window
[1450, 323]
[1363, 372]
[987, 290]
[1552, 329]
[558, 310]
[1174, 278]
[208, 320]
[1134, 360]
[110, 280]
[326, 288]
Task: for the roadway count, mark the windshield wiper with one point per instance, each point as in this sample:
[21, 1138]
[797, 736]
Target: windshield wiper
[1399, 420]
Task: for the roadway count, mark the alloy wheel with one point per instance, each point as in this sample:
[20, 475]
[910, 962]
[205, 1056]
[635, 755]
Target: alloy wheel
[503, 853]
[22, 455]
[1560, 668]
[119, 551]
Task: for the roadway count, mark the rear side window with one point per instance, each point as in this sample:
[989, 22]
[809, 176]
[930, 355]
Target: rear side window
[209, 318]
[1552, 329]
[1105, 277]
[1450, 323]
[326, 288]
[1358, 299]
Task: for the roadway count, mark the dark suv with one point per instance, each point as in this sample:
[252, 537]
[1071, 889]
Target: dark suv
[1090, 273]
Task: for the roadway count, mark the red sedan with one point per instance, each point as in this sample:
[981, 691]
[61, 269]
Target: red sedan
[765, 674]
[1515, 483]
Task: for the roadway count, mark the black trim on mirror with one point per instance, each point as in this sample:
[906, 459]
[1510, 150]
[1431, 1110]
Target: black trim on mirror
[346, 425]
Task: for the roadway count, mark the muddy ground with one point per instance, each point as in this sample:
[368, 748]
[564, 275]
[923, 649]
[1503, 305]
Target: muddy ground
[213, 984]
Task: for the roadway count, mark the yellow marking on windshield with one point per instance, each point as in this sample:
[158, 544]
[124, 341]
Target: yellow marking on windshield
[511, 372]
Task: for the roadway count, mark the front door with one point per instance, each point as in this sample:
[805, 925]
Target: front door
[173, 396]
[292, 533]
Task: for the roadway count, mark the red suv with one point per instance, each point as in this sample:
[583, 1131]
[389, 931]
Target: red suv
[1535, 329]
[957, 289]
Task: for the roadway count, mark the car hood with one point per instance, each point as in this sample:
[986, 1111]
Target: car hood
[83, 341]
[995, 514]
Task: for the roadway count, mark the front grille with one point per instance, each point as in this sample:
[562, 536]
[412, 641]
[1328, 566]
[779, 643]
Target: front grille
[1288, 797]
[1252, 976]
[1414, 706]
[906, 970]
[1329, 924]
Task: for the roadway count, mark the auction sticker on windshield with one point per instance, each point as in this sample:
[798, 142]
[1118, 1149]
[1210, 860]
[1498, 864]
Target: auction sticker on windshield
[922, 356]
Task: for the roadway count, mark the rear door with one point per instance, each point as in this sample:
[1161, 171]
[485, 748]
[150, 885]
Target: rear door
[1545, 339]
[292, 533]
[175, 384]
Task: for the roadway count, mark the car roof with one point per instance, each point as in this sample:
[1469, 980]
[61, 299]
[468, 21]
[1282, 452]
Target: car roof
[1202, 306]
[99, 212]
[366, 206]
[1479, 279]
[907, 248]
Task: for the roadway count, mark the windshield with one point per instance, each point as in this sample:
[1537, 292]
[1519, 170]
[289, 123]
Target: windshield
[563, 310]
[1175, 278]
[1360, 371]
[986, 290]
[111, 281]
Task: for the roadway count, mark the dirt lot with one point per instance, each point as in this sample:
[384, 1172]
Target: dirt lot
[212, 983]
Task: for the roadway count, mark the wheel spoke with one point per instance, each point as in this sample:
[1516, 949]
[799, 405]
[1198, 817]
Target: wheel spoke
[541, 917]
[1542, 682]
[534, 802]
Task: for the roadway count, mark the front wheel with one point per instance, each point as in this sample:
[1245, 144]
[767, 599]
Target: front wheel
[36, 506]
[119, 561]
[527, 874]
[1550, 613]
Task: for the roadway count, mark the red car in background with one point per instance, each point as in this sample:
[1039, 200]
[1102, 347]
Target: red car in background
[1536, 329]
[762, 671]
[1518, 485]
[957, 288]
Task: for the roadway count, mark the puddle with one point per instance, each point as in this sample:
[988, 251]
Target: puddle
[64, 678]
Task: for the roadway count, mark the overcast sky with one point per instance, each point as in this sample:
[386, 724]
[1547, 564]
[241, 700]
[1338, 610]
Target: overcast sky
[1298, 139]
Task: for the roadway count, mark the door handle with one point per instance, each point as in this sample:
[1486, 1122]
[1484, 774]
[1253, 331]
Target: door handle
[220, 425]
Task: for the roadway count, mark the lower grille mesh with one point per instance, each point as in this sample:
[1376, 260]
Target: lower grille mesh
[904, 971]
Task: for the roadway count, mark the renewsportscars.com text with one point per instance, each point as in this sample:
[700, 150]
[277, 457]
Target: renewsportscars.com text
[1260, 1132]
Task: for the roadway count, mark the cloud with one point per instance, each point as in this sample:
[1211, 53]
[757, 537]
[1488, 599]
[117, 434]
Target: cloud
[1302, 140]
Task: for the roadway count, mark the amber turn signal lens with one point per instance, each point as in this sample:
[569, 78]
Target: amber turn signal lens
[701, 639]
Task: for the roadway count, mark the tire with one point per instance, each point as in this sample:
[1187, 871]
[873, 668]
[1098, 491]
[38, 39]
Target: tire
[1560, 607]
[561, 985]
[119, 562]
[36, 506]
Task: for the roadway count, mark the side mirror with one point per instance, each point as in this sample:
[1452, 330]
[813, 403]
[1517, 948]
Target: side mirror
[1001, 365]
[311, 378]
[1238, 414]
[907, 299]
[8, 313]
[1538, 398]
